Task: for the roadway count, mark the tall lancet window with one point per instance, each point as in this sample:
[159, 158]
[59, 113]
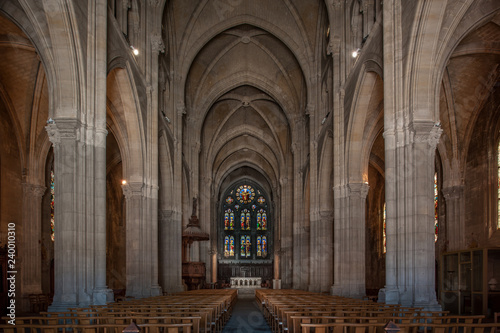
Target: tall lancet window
[384, 235]
[436, 213]
[498, 187]
[52, 191]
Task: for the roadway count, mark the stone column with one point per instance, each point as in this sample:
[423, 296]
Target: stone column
[422, 253]
[394, 138]
[32, 229]
[170, 251]
[134, 230]
[340, 260]
[141, 263]
[68, 160]
[356, 239]
[349, 240]
[325, 247]
[455, 228]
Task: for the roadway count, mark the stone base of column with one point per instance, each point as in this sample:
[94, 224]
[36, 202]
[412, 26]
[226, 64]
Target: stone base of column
[336, 290]
[276, 284]
[428, 306]
[156, 291]
[389, 295]
[102, 296]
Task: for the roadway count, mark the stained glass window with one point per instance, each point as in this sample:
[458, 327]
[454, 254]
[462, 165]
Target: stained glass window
[384, 235]
[436, 220]
[226, 246]
[229, 246]
[229, 220]
[245, 194]
[52, 197]
[245, 219]
[261, 220]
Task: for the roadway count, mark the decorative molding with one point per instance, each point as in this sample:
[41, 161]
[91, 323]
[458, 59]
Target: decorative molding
[453, 192]
[181, 109]
[358, 189]
[430, 134]
[157, 44]
[132, 190]
[33, 190]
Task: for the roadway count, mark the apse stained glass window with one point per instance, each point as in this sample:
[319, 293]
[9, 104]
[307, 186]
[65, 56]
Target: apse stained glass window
[436, 221]
[228, 246]
[261, 220]
[384, 235]
[52, 199]
[246, 247]
[229, 220]
[498, 180]
[245, 222]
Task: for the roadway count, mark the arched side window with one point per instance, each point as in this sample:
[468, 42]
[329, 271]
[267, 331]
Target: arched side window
[384, 235]
[436, 212]
[498, 186]
[52, 202]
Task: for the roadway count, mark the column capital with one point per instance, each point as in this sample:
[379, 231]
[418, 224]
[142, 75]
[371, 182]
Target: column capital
[63, 129]
[181, 109]
[427, 132]
[453, 192]
[132, 190]
[359, 189]
[157, 44]
[34, 190]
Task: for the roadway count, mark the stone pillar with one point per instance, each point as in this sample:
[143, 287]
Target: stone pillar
[170, 251]
[32, 229]
[340, 260]
[325, 247]
[350, 240]
[135, 230]
[356, 239]
[422, 254]
[455, 222]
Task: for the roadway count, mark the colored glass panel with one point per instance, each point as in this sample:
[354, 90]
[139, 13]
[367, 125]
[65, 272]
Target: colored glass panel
[264, 246]
[231, 221]
[261, 200]
[436, 220]
[231, 246]
[384, 235]
[229, 200]
[226, 246]
[52, 203]
[242, 220]
[259, 221]
[259, 246]
[245, 194]
[248, 246]
[226, 220]
[247, 220]
[264, 220]
[243, 251]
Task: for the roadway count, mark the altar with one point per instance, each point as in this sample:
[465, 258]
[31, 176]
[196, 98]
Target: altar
[246, 282]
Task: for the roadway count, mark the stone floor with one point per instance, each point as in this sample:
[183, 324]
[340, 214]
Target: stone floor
[246, 316]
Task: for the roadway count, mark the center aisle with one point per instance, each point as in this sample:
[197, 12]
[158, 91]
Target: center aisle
[246, 317]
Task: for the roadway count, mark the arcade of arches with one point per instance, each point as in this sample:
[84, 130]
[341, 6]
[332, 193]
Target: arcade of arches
[312, 168]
